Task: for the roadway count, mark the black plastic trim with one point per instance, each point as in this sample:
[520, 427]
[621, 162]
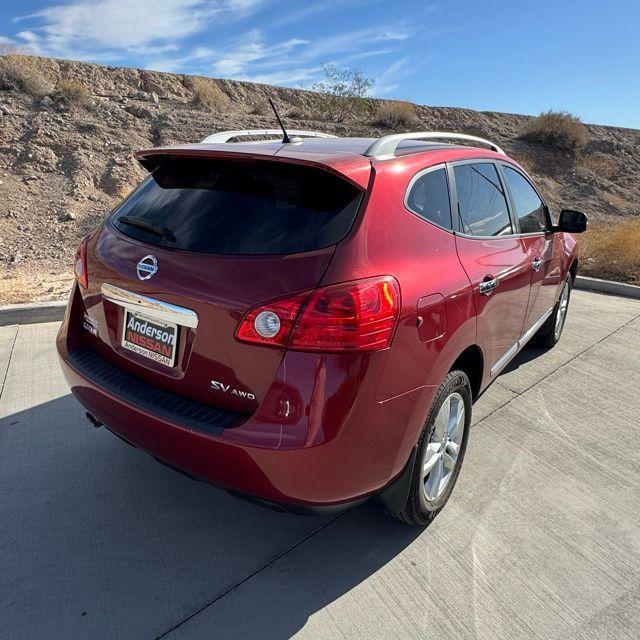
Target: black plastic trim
[151, 399]
[283, 507]
[395, 495]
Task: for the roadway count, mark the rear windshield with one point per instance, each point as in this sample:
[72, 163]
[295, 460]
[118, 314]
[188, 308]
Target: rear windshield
[239, 208]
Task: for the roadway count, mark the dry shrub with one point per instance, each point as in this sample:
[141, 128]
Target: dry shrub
[396, 113]
[605, 166]
[341, 94]
[260, 108]
[612, 251]
[208, 95]
[73, 92]
[559, 130]
[618, 203]
[18, 73]
[472, 131]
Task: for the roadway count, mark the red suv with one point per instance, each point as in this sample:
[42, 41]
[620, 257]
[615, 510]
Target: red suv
[307, 323]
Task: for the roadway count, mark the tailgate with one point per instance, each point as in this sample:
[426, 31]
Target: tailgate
[204, 297]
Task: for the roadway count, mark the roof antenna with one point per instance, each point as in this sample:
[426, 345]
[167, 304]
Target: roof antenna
[285, 138]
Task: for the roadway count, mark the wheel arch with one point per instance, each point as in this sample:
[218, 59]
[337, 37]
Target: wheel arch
[471, 361]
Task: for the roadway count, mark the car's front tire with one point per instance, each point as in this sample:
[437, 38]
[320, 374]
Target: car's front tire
[549, 333]
[441, 450]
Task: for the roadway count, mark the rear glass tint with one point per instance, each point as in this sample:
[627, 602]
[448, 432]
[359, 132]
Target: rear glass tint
[482, 206]
[239, 208]
[429, 198]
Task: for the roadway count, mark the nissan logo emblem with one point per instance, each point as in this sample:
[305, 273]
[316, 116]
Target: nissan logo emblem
[147, 267]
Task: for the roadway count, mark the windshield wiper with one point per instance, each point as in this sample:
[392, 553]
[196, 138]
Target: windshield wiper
[140, 223]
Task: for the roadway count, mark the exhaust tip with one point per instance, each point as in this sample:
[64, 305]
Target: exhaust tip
[93, 420]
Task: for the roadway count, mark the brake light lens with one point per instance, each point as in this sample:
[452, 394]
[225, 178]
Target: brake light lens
[355, 316]
[81, 263]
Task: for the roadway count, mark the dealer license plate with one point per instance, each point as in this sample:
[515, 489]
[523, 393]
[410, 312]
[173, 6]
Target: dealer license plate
[150, 338]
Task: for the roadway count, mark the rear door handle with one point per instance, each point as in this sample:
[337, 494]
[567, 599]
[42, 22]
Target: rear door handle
[487, 286]
[537, 263]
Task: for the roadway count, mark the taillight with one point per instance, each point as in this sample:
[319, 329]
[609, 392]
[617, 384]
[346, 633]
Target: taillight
[81, 263]
[354, 316]
[271, 323]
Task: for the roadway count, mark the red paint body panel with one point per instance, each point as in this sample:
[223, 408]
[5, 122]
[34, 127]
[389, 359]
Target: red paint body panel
[545, 282]
[313, 428]
[500, 316]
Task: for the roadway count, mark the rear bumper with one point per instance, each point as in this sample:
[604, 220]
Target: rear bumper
[342, 446]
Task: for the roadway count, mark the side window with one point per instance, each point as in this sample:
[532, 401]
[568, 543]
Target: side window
[529, 207]
[482, 206]
[429, 198]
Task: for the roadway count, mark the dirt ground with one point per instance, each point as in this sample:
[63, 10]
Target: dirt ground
[64, 165]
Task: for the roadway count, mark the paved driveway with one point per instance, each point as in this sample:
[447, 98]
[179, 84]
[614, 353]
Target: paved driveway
[541, 538]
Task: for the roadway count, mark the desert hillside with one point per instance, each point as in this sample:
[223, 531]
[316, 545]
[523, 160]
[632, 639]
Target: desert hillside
[66, 147]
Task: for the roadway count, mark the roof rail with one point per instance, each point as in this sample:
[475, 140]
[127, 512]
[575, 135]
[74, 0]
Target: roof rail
[225, 136]
[387, 145]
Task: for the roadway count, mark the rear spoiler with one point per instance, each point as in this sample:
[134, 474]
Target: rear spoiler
[354, 168]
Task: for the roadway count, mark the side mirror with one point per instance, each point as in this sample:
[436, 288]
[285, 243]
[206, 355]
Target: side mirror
[571, 221]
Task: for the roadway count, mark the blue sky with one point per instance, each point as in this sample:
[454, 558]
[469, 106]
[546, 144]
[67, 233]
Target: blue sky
[522, 57]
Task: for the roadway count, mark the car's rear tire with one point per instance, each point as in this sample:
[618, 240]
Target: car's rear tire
[549, 333]
[441, 450]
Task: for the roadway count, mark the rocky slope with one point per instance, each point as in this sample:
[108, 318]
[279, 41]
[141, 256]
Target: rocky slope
[64, 165]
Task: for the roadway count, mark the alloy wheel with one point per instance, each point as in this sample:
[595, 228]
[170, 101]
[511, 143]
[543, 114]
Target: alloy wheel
[563, 305]
[442, 451]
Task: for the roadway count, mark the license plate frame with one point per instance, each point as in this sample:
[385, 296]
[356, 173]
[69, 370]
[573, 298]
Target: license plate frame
[153, 339]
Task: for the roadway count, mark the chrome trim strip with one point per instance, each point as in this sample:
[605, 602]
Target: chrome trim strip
[498, 366]
[531, 332]
[149, 306]
[515, 349]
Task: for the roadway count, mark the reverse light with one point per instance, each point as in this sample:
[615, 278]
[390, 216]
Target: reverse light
[271, 323]
[355, 316]
[267, 324]
[80, 268]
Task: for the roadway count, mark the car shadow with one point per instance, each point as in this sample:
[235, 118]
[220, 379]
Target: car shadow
[102, 541]
[527, 354]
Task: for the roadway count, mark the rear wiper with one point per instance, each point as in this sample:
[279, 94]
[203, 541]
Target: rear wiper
[140, 223]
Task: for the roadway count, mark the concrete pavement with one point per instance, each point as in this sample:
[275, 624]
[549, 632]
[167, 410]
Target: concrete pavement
[541, 538]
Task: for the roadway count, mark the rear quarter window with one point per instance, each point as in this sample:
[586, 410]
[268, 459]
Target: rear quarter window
[428, 197]
[239, 208]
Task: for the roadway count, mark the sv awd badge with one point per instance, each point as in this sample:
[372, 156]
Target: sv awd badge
[225, 388]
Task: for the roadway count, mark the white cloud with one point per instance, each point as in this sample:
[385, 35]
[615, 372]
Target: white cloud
[250, 50]
[296, 61]
[201, 36]
[356, 41]
[294, 77]
[297, 15]
[389, 80]
[103, 25]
